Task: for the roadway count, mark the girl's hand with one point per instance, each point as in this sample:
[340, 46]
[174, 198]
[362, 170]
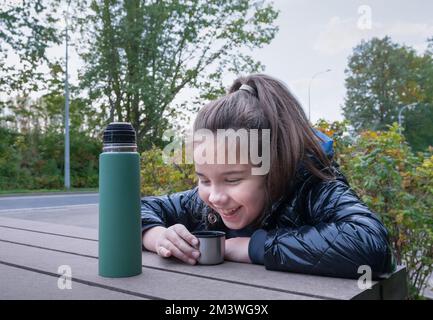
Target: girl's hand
[174, 241]
[237, 249]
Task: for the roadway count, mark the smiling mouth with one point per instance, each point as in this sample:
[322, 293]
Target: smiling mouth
[228, 213]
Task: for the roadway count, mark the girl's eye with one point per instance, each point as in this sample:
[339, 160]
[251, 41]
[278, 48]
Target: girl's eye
[204, 182]
[233, 181]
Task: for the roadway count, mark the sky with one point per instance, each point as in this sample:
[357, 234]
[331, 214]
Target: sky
[316, 35]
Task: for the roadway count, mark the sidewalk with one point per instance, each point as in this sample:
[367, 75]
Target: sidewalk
[48, 193]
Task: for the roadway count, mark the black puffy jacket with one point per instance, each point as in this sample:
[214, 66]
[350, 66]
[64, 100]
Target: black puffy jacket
[321, 228]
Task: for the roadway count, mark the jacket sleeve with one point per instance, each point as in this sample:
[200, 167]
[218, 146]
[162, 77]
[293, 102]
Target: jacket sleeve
[170, 209]
[343, 234]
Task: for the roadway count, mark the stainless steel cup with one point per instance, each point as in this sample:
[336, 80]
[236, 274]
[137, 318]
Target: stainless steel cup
[211, 246]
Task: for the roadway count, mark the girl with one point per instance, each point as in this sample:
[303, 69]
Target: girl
[302, 216]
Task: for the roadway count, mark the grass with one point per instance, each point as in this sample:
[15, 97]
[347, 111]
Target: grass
[39, 191]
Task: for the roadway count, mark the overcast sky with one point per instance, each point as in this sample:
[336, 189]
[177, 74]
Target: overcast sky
[317, 35]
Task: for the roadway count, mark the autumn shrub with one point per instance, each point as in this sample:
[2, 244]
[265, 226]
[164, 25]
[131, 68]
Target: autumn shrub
[159, 178]
[398, 185]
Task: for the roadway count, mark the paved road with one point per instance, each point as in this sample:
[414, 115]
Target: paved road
[70, 209]
[38, 201]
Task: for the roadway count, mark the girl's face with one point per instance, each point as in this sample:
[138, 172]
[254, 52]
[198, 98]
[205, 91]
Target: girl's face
[232, 191]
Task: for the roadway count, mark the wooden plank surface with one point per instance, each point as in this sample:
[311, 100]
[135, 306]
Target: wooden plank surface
[44, 227]
[151, 284]
[245, 274]
[18, 283]
[83, 242]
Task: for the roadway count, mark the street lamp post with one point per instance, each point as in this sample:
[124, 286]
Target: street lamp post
[309, 90]
[400, 117]
[67, 167]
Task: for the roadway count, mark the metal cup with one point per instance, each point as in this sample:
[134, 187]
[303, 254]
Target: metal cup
[211, 246]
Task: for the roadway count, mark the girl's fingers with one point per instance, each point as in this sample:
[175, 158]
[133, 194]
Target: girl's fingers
[163, 252]
[175, 252]
[182, 245]
[183, 232]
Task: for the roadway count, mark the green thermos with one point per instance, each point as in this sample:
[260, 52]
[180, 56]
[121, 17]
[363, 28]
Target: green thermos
[119, 203]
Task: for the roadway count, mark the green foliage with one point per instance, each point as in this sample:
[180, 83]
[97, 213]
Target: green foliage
[27, 29]
[418, 126]
[32, 141]
[35, 161]
[398, 185]
[139, 55]
[159, 178]
[381, 78]
[32, 144]
[9, 158]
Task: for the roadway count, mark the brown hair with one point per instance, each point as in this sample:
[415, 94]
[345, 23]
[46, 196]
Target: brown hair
[271, 106]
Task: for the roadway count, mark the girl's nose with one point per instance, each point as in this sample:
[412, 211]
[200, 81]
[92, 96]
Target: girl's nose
[218, 197]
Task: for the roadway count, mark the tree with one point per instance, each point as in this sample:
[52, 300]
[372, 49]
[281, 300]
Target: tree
[140, 54]
[418, 126]
[382, 77]
[418, 123]
[27, 29]
[378, 75]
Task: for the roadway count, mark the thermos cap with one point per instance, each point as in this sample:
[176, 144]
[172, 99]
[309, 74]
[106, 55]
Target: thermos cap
[119, 132]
